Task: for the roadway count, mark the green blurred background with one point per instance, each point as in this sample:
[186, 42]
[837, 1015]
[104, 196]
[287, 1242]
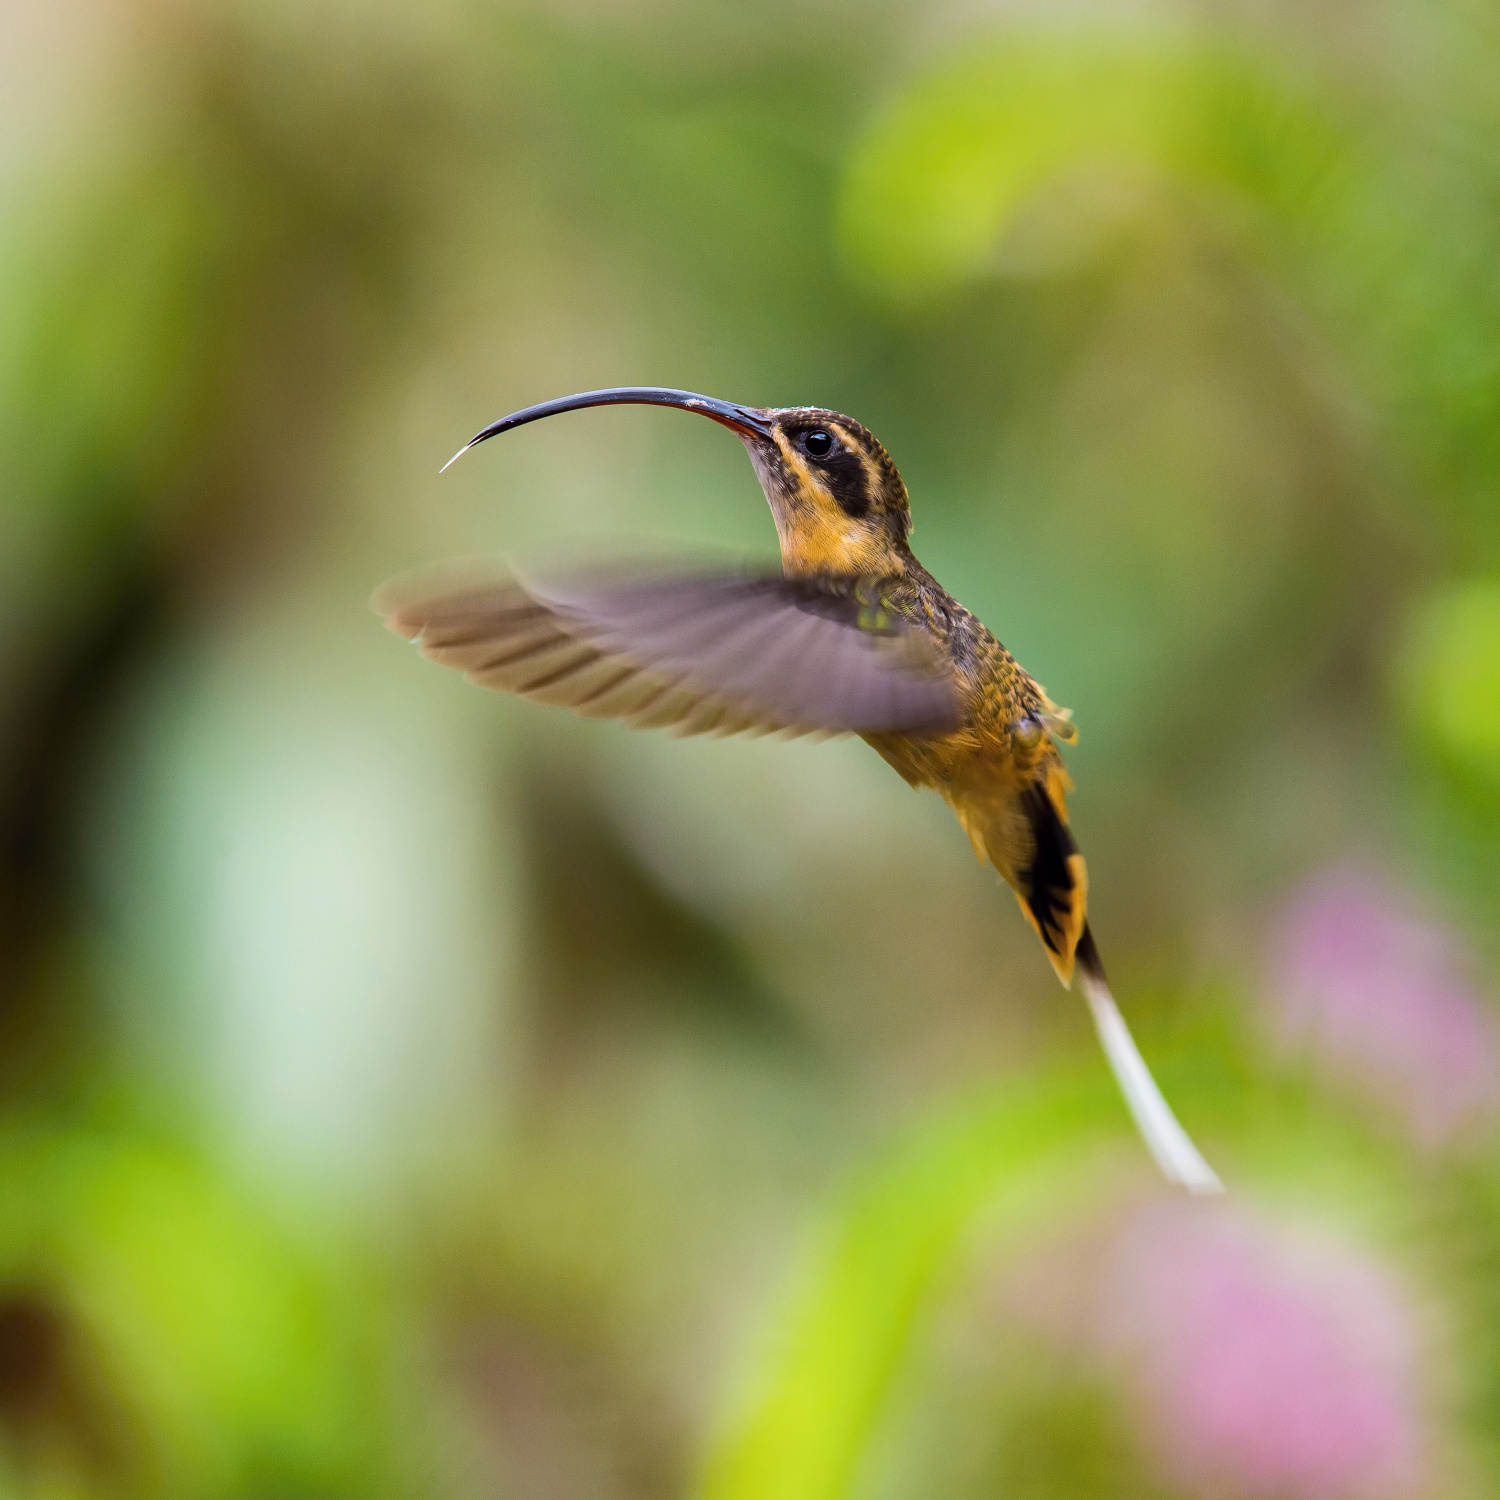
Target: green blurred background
[407, 1092]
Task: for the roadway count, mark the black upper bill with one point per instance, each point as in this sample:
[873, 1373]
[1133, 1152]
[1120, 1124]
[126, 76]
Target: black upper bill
[745, 420]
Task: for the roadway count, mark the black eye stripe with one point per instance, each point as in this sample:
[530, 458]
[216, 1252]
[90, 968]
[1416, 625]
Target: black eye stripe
[844, 474]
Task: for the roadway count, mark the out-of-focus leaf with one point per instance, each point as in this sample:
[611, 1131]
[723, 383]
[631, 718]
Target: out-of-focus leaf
[802, 1437]
[110, 332]
[938, 179]
[1448, 680]
[229, 1356]
[1000, 1163]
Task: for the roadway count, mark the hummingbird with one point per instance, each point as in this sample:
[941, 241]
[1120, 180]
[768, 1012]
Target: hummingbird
[852, 635]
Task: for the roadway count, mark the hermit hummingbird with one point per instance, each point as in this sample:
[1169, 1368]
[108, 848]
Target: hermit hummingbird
[852, 636]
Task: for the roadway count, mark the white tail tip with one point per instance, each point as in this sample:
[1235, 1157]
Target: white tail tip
[1168, 1142]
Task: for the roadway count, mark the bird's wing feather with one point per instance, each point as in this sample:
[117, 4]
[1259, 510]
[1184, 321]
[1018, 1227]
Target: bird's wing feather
[704, 653]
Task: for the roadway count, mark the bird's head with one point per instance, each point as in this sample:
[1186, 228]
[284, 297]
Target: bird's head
[839, 503]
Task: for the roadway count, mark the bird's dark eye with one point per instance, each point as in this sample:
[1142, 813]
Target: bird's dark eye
[817, 444]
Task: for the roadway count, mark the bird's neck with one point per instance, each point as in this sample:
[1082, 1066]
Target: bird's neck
[814, 545]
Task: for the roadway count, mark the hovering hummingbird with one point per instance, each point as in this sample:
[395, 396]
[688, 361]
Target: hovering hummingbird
[852, 636]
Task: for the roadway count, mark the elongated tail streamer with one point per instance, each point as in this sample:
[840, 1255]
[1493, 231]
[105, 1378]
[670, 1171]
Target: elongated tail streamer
[1177, 1156]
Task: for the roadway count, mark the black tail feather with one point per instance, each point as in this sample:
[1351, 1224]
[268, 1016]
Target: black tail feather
[1086, 955]
[1052, 886]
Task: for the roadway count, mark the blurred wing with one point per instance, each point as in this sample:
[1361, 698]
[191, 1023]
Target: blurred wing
[703, 654]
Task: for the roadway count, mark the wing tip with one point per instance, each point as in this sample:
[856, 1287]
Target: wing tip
[399, 624]
[391, 613]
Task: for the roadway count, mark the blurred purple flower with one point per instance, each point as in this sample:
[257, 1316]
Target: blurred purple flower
[1268, 1366]
[1379, 998]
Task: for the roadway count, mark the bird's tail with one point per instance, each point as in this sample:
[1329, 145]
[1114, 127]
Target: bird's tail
[1168, 1142]
[1051, 883]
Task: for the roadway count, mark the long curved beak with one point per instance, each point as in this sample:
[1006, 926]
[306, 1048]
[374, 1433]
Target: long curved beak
[745, 420]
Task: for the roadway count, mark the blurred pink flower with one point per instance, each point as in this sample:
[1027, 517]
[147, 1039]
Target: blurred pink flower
[1379, 998]
[1268, 1366]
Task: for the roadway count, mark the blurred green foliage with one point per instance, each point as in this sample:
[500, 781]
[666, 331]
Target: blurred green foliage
[1450, 677]
[407, 1092]
[935, 185]
[175, 1339]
